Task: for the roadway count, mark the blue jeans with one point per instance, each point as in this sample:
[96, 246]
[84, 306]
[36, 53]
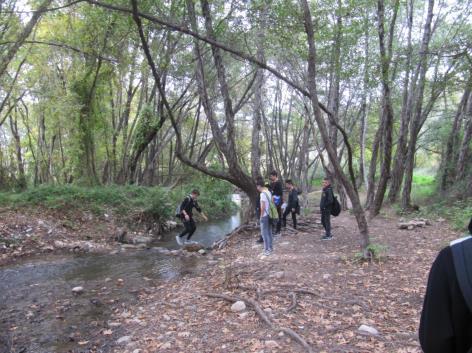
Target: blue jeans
[266, 231]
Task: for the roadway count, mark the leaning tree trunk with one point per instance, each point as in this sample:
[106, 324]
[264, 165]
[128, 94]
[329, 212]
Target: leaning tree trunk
[311, 81]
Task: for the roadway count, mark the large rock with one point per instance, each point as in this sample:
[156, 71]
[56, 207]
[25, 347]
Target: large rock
[141, 240]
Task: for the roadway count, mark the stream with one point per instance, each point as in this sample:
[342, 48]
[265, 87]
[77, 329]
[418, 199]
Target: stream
[40, 314]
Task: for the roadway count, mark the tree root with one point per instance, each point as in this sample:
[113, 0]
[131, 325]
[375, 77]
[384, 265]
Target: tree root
[262, 315]
[220, 244]
[294, 304]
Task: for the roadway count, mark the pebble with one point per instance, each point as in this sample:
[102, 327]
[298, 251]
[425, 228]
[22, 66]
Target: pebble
[167, 345]
[238, 306]
[78, 290]
[368, 329]
[243, 315]
[124, 339]
[271, 344]
[279, 275]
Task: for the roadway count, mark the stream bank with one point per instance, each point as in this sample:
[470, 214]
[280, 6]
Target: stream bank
[77, 302]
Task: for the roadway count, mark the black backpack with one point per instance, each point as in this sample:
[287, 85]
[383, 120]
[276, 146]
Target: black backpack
[462, 256]
[336, 209]
[178, 210]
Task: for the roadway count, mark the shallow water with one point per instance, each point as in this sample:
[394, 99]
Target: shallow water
[40, 314]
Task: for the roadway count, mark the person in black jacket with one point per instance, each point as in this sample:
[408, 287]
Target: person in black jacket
[292, 204]
[277, 196]
[446, 319]
[326, 203]
[186, 215]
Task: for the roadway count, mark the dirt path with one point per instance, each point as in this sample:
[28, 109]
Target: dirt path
[340, 294]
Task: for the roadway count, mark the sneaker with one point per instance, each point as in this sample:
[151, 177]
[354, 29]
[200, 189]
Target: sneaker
[259, 241]
[327, 237]
[179, 240]
[267, 253]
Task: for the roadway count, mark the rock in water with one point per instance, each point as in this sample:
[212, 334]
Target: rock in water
[78, 290]
[238, 306]
[369, 330]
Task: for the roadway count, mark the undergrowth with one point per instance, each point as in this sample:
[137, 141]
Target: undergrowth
[157, 202]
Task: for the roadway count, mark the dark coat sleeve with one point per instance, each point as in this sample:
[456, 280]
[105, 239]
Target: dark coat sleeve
[436, 331]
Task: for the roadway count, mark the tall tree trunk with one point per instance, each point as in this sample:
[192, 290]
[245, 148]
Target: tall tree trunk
[465, 145]
[448, 160]
[362, 161]
[417, 120]
[399, 159]
[387, 110]
[258, 106]
[21, 184]
[311, 80]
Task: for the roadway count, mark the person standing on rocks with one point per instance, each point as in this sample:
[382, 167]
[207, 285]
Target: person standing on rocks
[277, 197]
[266, 228]
[446, 319]
[186, 215]
[293, 206]
[326, 203]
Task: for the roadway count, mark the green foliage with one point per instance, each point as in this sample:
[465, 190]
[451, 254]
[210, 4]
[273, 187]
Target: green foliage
[457, 212]
[377, 252]
[423, 187]
[156, 203]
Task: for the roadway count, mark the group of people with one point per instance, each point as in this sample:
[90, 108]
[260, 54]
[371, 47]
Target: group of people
[446, 319]
[273, 193]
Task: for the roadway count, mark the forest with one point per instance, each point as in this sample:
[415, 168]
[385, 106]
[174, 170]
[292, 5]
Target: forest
[112, 111]
[151, 93]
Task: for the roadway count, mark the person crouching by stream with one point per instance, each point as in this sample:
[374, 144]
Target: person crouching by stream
[266, 227]
[186, 215]
[293, 206]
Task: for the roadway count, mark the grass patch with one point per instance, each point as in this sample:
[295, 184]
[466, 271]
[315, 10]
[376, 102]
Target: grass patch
[423, 188]
[458, 213]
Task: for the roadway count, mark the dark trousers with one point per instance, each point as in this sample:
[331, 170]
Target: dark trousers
[277, 225]
[190, 228]
[294, 217]
[326, 221]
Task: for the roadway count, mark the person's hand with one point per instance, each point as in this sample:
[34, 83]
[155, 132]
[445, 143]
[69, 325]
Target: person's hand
[205, 217]
[187, 218]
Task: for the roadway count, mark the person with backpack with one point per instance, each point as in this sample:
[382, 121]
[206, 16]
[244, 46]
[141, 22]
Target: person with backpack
[277, 197]
[293, 206]
[446, 318]
[264, 216]
[326, 204]
[186, 215]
